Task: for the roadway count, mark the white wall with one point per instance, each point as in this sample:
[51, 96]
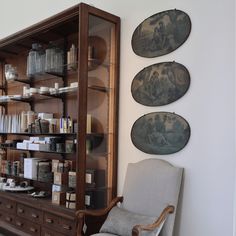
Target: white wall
[209, 105]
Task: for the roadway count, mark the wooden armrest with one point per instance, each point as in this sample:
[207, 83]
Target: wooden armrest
[96, 213]
[136, 231]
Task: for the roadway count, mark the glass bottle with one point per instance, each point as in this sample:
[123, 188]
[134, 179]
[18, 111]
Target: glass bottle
[40, 60]
[49, 60]
[31, 60]
[58, 59]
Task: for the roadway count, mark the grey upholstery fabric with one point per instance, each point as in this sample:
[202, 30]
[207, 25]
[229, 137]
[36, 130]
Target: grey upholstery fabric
[103, 234]
[121, 222]
[151, 185]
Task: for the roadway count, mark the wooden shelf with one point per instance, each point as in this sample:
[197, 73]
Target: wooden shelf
[95, 34]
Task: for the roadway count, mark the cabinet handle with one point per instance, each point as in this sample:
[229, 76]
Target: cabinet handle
[48, 220]
[9, 219]
[19, 224]
[34, 216]
[33, 229]
[67, 227]
[20, 210]
[8, 206]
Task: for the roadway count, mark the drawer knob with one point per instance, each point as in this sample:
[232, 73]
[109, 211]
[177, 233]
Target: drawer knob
[48, 220]
[67, 227]
[18, 223]
[20, 210]
[9, 219]
[34, 216]
[8, 206]
[33, 229]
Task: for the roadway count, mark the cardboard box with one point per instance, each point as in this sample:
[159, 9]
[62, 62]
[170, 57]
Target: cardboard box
[71, 196]
[22, 146]
[36, 139]
[71, 164]
[44, 171]
[30, 168]
[55, 165]
[89, 177]
[89, 124]
[70, 205]
[59, 198]
[44, 115]
[72, 179]
[60, 178]
[58, 188]
[58, 166]
[39, 147]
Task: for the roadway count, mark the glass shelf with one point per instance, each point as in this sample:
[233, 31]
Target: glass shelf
[58, 95]
[11, 83]
[47, 75]
[33, 98]
[24, 178]
[90, 135]
[40, 134]
[89, 187]
[28, 150]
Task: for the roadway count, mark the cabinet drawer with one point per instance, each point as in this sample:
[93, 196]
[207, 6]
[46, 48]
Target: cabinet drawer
[30, 213]
[27, 226]
[62, 225]
[20, 223]
[8, 218]
[32, 228]
[48, 232]
[7, 205]
[51, 220]
[67, 226]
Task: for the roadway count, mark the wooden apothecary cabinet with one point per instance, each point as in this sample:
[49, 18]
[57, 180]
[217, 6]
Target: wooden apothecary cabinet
[84, 91]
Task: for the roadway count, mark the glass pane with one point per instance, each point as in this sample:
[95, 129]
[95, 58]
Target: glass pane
[99, 112]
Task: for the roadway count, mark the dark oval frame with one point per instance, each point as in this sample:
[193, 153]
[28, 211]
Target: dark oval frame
[170, 113]
[165, 53]
[156, 64]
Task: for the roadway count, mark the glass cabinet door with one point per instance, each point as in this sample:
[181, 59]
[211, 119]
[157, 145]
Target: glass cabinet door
[101, 119]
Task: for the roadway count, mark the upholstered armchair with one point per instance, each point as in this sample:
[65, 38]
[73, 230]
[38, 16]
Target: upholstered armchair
[149, 202]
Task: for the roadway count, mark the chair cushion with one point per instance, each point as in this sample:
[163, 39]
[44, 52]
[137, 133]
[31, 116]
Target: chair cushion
[121, 222]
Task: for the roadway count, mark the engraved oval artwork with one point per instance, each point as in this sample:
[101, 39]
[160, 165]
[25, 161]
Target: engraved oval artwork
[160, 84]
[161, 33]
[160, 133]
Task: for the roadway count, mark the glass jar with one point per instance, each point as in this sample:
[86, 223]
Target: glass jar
[32, 59]
[40, 60]
[49, 59]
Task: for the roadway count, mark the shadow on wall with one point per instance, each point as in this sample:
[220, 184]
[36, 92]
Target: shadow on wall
[180, 207]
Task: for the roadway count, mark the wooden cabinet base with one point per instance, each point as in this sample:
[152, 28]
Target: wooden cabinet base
[34, 219]
[12, 229]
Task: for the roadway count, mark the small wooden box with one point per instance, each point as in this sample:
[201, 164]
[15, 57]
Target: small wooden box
[55, 165]
[72, 179]
[59, 198]
[60, 178]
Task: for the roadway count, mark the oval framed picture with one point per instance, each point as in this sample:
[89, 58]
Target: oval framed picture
[160, 84]
[161, 33]
[160, 133]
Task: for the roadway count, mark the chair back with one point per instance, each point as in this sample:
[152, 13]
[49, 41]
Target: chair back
[150, 185]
